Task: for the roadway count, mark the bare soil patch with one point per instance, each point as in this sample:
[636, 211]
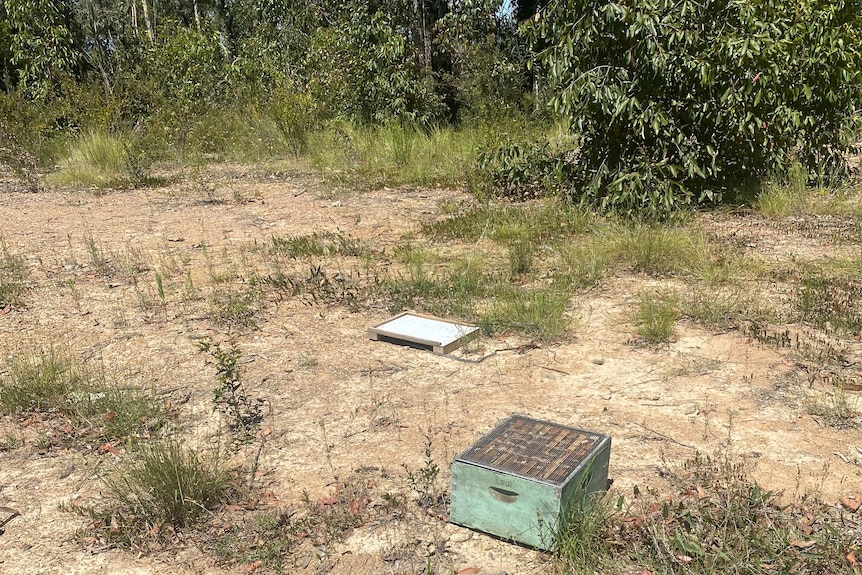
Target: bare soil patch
[343, 410]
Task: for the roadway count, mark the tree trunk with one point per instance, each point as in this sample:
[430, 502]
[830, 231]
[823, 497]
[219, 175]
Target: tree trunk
[147, 22]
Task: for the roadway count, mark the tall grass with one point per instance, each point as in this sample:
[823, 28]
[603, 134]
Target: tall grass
[96, 159]
[50, 381]
[395, 154]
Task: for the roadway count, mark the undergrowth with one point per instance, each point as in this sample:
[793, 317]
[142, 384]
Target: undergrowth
[716, 519]
[51, 382]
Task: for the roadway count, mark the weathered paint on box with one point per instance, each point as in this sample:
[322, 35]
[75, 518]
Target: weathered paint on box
[519, 508]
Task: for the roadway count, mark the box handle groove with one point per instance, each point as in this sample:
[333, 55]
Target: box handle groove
[504, 495]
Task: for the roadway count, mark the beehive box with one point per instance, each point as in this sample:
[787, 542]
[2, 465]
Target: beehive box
[516, 481]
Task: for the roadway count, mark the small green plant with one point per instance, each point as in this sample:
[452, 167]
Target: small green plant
[243, 413]
[423, 481]
[239, 308]
[13, 277]
[166, 482]
[656, 317]
[318, 244]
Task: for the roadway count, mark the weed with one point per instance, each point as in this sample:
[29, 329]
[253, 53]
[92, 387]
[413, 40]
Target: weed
[663, 251]
[582, 265]
[520, 258]
[716, 520]
[831, 303]
[13, 277]
[656, 317]
[239, 308]
[423, 481]
[166, 483]
[838, 410]
[782, 199]
[504, 222]
[42, 382]
[230, 399]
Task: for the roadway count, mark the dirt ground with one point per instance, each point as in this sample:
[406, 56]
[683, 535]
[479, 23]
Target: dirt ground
[340, 405]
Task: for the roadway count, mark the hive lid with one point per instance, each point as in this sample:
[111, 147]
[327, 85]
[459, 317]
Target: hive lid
[533, 449]
[442, 336]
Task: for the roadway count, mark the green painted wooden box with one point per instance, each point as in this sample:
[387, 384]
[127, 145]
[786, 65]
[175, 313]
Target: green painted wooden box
[516, 481]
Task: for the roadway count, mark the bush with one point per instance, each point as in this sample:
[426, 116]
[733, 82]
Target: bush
[678, 102]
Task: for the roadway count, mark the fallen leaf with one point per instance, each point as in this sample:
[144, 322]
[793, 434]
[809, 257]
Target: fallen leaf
[111, 415]
[803, 543]
[266, 431]
[108, 448]
[851, 503]
[851, 558]
[28, 422]
[469, 571]
[155, 529]
[5, 310]
[354, 507]
[252, 567]
[850, 386]
[683, 558]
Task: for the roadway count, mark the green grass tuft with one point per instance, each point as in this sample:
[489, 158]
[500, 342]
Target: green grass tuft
[97, 159]
[167, 482]
[656, 316]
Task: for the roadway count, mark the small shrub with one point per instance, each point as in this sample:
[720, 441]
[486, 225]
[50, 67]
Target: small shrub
[166, 483]
[243, 413]
[528, 170]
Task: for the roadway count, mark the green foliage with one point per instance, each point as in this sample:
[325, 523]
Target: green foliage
[363, 68]
[677, 102]
[37, 45]
[525, 170]
[486, 59]
[166, 483]
[243, 413]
